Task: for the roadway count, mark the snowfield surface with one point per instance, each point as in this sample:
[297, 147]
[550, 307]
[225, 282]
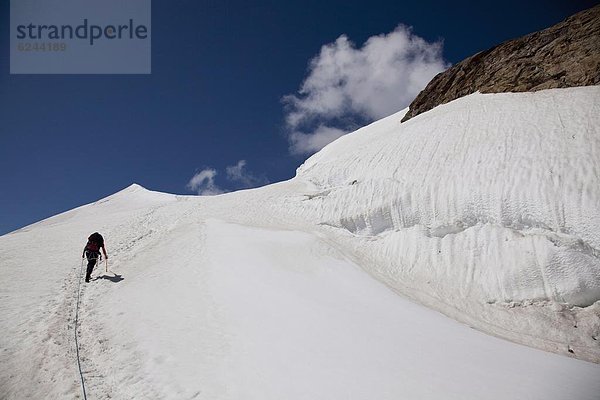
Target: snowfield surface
[486, 209]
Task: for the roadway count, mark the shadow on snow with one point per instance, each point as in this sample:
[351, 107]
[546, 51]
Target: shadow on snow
[115, 278]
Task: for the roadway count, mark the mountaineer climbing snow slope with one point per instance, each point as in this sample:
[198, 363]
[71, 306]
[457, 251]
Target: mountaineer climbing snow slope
[314, 287]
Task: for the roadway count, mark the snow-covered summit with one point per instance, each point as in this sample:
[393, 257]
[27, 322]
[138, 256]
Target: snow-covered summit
[137, 191]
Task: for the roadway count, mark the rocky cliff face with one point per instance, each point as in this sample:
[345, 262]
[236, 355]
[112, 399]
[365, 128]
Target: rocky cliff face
[564, 55]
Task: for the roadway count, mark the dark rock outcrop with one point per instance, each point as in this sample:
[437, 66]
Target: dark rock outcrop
[564, 55]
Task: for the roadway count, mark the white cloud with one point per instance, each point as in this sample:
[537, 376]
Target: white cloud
[376, 80]
[203, 182]
[305, 143]
[238, 173]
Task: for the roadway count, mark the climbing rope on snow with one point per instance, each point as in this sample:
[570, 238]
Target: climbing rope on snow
[76, 323]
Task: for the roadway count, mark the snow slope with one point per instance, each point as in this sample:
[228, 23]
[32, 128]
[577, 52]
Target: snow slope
[196, 307]
[486, 203]
[270, 293]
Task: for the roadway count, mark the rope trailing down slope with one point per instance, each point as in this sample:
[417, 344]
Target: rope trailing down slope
[76, 325]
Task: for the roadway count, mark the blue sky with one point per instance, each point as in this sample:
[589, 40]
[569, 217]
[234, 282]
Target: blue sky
[222, 109]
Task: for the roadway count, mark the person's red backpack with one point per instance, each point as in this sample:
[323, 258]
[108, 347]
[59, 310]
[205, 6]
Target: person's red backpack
[95, 242]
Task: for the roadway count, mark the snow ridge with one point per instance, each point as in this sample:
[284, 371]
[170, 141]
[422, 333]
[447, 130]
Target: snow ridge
[490, 199]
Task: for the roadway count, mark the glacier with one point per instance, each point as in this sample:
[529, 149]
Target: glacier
[486, 203]
[333, 284]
